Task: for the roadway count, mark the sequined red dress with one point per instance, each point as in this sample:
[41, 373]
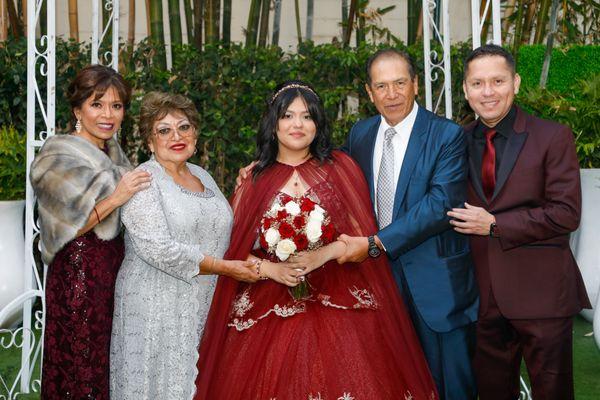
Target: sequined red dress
[79, 306]
[352, 339]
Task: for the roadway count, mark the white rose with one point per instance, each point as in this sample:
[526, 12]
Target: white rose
[316, 216]
[292, 208]
[271, 236]
[318, 209]
[313, 231]
[275, 208]
[284, 249]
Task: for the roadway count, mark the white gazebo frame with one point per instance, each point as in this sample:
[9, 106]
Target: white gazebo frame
[41, 65]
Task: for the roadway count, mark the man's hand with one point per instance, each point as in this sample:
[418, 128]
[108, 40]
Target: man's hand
[471, 220]
[243, 174]
[357, 248]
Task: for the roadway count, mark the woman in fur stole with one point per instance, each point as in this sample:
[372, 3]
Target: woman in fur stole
[80, 181]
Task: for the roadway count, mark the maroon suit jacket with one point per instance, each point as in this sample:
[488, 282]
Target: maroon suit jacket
[537, 203]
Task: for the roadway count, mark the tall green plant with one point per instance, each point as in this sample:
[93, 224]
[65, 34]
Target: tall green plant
[156, 31]
[264, 23]
[226, 21]
[13, 149]
[276, 22]
[414, 13]
[253, 19]
[175, 22]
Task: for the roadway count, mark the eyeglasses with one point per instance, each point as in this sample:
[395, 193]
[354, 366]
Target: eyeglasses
[184, 130]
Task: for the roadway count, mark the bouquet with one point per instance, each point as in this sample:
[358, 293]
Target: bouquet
[293, 225]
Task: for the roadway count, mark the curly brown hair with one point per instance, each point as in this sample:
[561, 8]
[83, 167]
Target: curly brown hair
[96, 80]
[156, 106]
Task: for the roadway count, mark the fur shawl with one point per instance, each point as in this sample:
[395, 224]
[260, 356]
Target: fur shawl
[69, 176]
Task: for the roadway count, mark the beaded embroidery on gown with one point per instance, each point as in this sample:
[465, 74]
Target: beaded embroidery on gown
[160, 301]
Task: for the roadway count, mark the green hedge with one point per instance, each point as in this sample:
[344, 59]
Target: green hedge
[567, 66]
[230, 85]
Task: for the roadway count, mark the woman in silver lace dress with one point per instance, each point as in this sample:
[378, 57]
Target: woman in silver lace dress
[176, 233]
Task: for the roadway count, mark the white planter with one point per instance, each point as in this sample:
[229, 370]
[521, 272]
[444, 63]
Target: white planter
[597, 322]
[12, 253]
[584, 241]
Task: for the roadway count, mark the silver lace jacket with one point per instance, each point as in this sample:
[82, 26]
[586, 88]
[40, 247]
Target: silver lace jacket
[160, 301]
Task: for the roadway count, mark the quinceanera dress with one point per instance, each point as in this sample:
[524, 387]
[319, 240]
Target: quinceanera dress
[350, 339]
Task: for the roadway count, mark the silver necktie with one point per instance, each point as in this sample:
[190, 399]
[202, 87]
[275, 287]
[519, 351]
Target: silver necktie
[385, 181]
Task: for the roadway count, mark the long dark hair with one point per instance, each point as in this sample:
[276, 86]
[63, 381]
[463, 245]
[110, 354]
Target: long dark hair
[267, 145]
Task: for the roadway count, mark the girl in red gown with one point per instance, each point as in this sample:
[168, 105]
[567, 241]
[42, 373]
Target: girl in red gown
[350, 337]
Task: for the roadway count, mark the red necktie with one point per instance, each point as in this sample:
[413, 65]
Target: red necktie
[488, 164]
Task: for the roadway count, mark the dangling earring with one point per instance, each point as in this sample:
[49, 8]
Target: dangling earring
[78, 126]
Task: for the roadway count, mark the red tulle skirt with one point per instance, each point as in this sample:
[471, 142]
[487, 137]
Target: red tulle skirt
[336, 345]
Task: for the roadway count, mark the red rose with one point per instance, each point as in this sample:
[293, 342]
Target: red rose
[263, 242]
[307, 205]
[281, 215]
[301, 242]
[285, 198]
[328, 233]
[267, 223]
[286, 231]
[299, 222]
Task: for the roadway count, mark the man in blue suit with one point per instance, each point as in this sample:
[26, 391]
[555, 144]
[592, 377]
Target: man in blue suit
[416, 165]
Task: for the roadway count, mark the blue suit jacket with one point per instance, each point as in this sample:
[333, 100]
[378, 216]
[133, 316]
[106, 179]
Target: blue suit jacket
[420, 242]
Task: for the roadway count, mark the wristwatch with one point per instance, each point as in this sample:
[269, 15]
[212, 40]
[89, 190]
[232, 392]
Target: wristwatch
[373, 249]
[494, 230]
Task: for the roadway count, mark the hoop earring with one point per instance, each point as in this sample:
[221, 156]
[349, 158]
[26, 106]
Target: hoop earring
[78, 126]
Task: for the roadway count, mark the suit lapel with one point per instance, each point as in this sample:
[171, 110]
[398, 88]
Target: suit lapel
[413, 150]
[369, 143]
[474, 174]
[511, 152]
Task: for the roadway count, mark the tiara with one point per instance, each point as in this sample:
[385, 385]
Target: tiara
[292, 86]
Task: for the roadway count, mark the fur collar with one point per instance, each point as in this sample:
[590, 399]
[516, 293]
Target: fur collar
[69, 176]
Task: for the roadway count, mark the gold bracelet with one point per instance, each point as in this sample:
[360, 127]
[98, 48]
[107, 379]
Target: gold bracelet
[212, 264]
[97, 216]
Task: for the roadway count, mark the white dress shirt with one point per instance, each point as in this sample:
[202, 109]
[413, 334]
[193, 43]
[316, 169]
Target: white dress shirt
[399, 141]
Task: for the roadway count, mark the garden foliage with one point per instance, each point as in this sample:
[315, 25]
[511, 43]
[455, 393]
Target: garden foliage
[12, 164]
[230, 86]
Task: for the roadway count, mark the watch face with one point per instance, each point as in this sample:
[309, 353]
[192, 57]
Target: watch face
[374, 251]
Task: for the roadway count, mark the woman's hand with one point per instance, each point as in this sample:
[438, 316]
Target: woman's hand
[240, 270]
[130, 183]
[283, 273]
[308, 261]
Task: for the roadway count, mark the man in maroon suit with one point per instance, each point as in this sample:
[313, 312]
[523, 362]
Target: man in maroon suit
[524, 199]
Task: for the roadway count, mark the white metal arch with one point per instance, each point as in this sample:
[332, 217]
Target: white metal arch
[41, 69]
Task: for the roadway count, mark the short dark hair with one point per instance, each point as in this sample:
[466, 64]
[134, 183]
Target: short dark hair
[490, 50]
[157, 105]
[267, 145]
[96, 80]
[387, 53]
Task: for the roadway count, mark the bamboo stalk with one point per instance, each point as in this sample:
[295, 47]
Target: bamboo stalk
[131, 25]
[529, 17]
[542, 20]
[549, 44]
[518, 30]
[198, 22]
[264, 23]
[156, 29]
[344, 18]
[351, 17]
[13, 18]
[24, 15]
[508, 11]
[276, 23]
[310, 12]
[175, 22]
[227, 21]
[73, 21]
[298, 28]
[252, 26]
[3, 21]
[148, 24]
